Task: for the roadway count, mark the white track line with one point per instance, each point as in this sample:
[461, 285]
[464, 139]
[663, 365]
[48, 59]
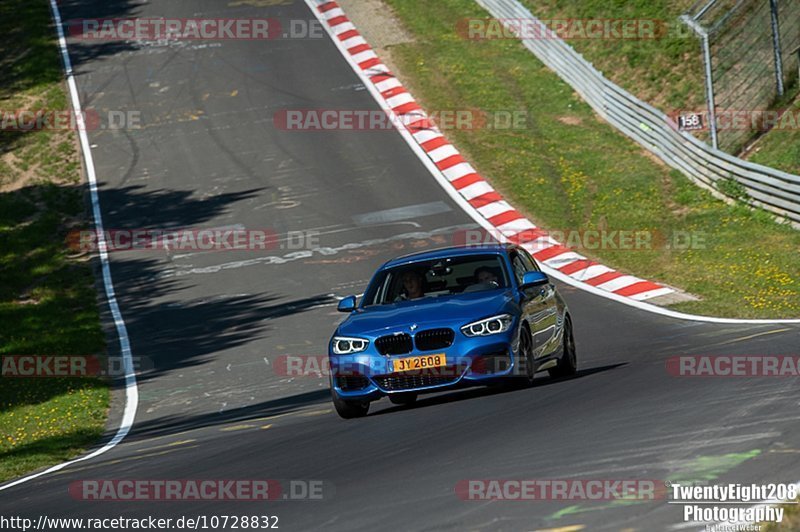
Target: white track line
[475, 215]
[131, 391]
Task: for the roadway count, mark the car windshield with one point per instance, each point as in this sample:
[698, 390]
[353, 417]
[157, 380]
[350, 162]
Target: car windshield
[441, 277]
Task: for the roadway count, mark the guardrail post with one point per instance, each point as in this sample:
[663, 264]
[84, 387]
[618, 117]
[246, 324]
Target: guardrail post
[712, 114]
[776, 46]
[797, 51]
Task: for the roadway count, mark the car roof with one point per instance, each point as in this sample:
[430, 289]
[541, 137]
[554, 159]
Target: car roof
[443, 253]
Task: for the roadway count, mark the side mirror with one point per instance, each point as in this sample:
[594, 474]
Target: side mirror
[347, 304]
[533, 279]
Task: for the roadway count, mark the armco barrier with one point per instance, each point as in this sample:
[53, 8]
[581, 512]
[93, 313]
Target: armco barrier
[770, 189]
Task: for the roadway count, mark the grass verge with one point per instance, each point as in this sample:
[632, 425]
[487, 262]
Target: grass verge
[791, 520]
[780, 147]
[48, 303]
[667, 72]
[569, 170]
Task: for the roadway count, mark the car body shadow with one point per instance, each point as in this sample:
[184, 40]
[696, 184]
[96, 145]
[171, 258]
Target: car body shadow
[500, 388]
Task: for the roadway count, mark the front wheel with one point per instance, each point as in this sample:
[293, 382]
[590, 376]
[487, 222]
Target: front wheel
[568, 363]
[525, 359]
[348, 409]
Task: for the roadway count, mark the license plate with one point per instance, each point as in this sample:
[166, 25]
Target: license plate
[412, 363]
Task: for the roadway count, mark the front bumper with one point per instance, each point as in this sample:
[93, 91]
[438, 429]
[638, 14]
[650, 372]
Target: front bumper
[469, 362]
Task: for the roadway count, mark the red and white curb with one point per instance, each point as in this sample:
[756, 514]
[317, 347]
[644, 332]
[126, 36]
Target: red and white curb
[462, 177]
[477, 197]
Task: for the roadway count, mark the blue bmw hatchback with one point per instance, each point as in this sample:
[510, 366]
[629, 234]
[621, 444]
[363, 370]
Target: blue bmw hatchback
[462, 316]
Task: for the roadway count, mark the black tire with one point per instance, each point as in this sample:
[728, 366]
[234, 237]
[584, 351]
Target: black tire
[526, 354]
[403, 399]
[348, 409]
[568, 363]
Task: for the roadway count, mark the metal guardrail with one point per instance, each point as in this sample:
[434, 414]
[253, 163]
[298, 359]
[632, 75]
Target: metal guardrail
[768, 188]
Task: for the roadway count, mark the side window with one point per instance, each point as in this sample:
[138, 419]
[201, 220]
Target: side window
[528, 260]
[382, 292]
[518, 265]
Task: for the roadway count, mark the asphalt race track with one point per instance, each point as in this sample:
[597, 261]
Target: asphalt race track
[209, 326]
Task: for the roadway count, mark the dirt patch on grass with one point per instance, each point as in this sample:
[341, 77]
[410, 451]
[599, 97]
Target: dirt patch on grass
[378, 24]
[570, 120]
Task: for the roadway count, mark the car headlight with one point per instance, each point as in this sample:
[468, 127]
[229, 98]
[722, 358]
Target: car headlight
[487, 326]
[343, 345]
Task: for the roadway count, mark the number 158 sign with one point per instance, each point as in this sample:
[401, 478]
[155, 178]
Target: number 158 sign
[690, 122]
